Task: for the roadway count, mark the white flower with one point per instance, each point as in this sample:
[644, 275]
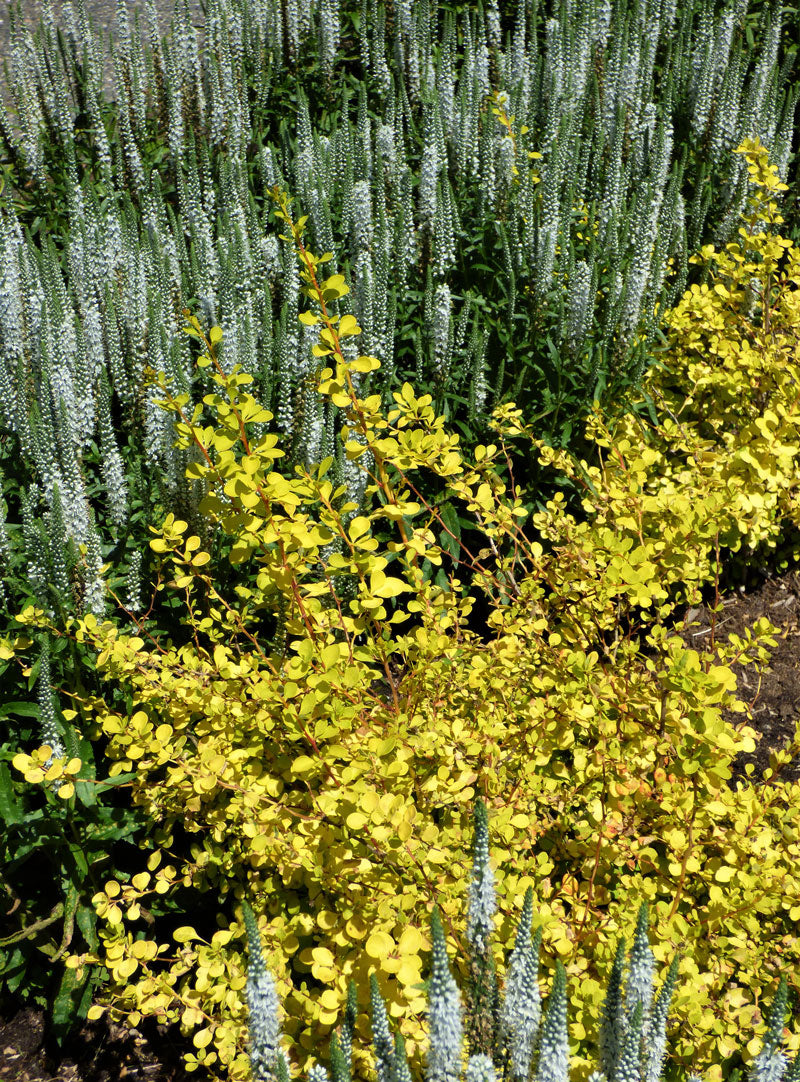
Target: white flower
[444, 1052]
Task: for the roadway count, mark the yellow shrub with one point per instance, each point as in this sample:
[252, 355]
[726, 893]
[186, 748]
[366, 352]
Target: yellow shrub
[332, 783]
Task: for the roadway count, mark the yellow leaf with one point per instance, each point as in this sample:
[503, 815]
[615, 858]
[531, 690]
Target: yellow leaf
[329, 1000]
[388, 587]
[379, 945]
[335, 287]
[184, 934]
[358, 526]
[411, 941]
[348, 325]
[322, 956]
[302, 764]
[364, 364]
[126, 968]
[408, 971]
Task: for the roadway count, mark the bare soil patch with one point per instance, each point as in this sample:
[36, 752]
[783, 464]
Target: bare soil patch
[774, 694]
[97, 1052]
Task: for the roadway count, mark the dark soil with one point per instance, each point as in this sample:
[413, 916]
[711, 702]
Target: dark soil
[98, 1052]
[774, 694]
[102, 1052]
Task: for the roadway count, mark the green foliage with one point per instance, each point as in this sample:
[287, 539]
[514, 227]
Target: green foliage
[61, 827]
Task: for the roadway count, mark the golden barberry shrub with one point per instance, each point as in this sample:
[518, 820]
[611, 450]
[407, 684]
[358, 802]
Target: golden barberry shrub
[331, 781]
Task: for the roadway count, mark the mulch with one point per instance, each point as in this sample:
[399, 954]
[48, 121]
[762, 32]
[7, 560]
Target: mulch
[103, 1052]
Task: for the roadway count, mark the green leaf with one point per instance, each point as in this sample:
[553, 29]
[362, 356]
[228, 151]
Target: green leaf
[86, 919]
[79, 857]
[24, 709]
[10, 810]
[113, 783]
[451, 544]
[63, 1015]
[14, 970]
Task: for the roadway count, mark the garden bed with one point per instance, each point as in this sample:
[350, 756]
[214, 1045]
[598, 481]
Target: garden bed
[102, 1052]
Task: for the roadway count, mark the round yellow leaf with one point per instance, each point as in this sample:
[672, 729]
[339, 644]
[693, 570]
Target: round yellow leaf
[322, 956]
[411, 941]
[369, 801]
[409, 971]
[126, 968]
[329, 1000]
[184, 934]
[379, 945]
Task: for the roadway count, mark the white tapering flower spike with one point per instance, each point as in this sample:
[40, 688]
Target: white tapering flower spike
[480, 1069]
[445, 1014]
[639, 987]
[94, 598]
[553, 1063]
[482, 903]
[628, 1067]
[770, 1064]
[521, 1010]
[381, 1037]
[443, 349]
[655, 1037]
[612, 1022]
[401, 1069]
[47, 711]
[262, 1004]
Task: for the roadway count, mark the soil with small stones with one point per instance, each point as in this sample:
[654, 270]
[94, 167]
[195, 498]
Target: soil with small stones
[103, 1052]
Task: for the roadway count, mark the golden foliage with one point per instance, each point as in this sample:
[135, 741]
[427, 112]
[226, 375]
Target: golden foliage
[332, 782]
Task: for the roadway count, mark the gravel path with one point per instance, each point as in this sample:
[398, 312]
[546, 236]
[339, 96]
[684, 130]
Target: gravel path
[101, 15]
